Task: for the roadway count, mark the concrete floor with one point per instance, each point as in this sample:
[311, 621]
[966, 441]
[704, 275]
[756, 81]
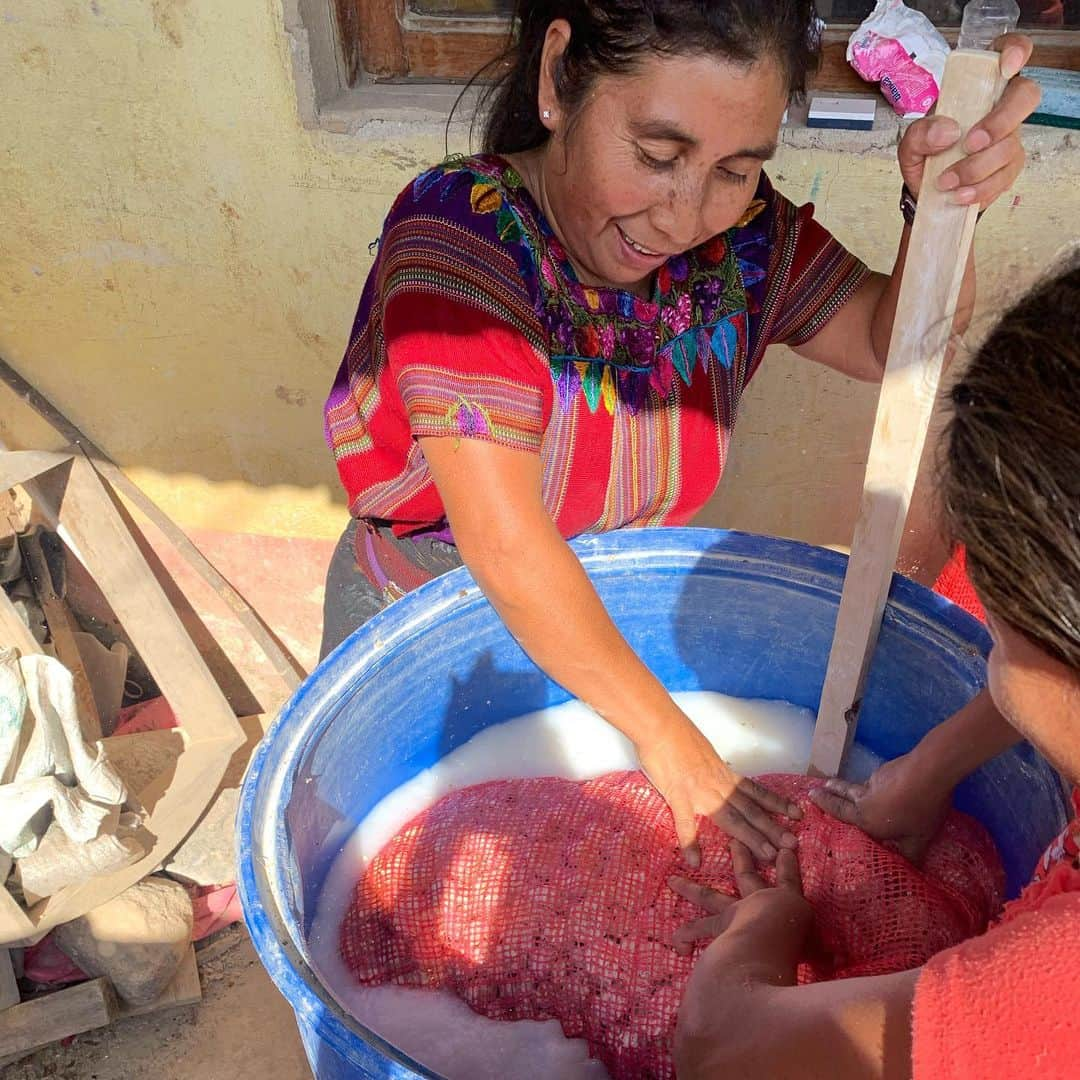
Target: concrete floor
[242, 1030]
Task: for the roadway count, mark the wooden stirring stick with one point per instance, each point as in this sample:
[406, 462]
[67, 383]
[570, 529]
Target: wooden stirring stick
[937, 256]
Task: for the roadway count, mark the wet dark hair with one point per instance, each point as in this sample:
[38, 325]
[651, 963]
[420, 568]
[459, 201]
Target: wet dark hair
[611, 36]
[1010, 478]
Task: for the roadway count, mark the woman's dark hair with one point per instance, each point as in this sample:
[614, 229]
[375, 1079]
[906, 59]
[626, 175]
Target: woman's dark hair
[1011, 472]
[611, 36]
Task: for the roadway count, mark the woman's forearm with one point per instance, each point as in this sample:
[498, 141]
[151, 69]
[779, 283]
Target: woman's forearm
[508, 540]
[737, 1023]
[969, 738]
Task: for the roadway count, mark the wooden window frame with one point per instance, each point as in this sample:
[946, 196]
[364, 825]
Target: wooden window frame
[390, 44]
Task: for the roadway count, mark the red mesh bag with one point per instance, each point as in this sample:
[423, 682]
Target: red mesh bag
[548, 898]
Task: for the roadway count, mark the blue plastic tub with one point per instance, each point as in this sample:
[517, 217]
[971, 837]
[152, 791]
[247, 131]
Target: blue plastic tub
[707, 610]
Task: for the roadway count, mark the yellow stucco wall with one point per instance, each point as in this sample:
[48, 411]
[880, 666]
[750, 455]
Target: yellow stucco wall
[180, 260]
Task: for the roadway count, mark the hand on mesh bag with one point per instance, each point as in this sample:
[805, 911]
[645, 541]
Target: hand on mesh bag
[897, 805]
[688, 773]
[775, 920]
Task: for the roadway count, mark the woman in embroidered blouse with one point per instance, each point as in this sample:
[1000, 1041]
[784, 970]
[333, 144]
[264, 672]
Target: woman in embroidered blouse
[555, 334]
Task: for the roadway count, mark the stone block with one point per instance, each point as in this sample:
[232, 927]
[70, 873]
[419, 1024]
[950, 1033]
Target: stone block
[136, 940]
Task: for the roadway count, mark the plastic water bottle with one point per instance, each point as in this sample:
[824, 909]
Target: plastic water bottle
[985, 20]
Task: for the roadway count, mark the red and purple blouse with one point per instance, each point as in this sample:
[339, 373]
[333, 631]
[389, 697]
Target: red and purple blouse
[473, 324]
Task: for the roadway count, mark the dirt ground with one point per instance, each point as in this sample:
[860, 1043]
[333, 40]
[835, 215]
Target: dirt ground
[242, 1029]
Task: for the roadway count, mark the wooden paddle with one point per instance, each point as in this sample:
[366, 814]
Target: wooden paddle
[937, 256]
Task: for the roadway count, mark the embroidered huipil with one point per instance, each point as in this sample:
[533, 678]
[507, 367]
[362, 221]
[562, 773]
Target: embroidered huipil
[473, 324]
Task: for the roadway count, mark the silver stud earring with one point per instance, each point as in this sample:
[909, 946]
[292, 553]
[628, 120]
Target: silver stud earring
[546, 114]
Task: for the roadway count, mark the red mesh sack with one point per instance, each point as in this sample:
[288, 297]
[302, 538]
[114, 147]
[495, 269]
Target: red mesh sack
[548, 898]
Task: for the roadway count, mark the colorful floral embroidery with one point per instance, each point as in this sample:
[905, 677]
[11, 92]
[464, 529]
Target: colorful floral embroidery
[471, 419]
[606, 343]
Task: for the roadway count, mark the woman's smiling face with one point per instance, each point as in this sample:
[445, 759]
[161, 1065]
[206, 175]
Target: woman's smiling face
[657, 161]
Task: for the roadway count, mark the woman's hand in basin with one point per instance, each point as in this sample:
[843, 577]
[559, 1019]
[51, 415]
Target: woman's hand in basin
[899, 804]
[695, 781]
[906, 800]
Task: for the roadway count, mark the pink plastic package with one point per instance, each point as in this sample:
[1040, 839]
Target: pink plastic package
[900, 49]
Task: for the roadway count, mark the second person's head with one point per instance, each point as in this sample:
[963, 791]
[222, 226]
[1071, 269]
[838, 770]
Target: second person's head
[1011, 487]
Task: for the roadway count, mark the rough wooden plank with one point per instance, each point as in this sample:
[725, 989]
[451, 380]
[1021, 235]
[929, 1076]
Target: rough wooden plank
[936, 259]
[107, 672]
[349, 36]
[1056, 50]
[15, 924]
[61, 630]
[835, 74]
[1052, 48]
[14, 514]
[232, 682]
[87, 521]
[89, 525]
[456, 48]
[17, 467]
[9, 988]
[379, 27]
[457, 55]
[62, 1009]
[55, 1016]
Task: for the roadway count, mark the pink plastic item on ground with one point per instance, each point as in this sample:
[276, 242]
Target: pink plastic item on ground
[44, 963]
[216, 907]
[548, 898]
[152, 715]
